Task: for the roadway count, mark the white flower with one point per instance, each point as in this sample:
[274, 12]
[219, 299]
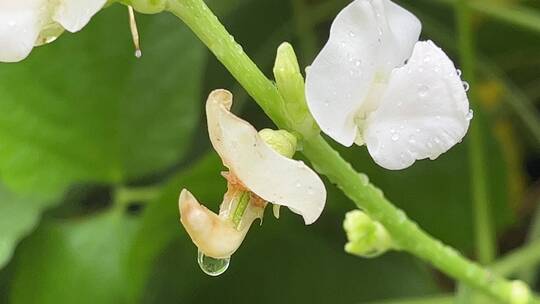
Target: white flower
[28, 23]
[374, 83]
[255, 169]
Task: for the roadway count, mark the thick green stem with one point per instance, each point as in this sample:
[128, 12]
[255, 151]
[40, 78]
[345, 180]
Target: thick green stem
[327, 161]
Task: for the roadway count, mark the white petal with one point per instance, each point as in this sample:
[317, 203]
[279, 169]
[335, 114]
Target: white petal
[368, 38]
[214, 236]
[423, 112]
[73, 15]
[268, 174]
[20, 24]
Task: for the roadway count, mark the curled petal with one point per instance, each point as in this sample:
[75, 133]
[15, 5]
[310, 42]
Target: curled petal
[20, 25]
[423, 112]
[73, 15]
[268, 174]
[213, 235]
[367, 40]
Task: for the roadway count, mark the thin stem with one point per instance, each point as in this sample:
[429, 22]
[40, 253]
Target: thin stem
[443, 299]
[327, 161]
[514, 14]
[485, 236]
[524, 257]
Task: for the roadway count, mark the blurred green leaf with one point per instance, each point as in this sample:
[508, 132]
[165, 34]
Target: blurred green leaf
[160, 223]
[284, 261]
[18, 217]
[74, 261]
[85, 109]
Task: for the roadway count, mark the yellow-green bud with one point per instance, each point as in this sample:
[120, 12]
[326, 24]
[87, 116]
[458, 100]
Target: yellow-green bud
[281, 141]
[290, 84]
[147, 6]
[367, 238]
[520, 293]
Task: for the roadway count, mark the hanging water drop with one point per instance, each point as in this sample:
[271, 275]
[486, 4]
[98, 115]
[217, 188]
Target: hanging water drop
[211, 266]
[458, 71]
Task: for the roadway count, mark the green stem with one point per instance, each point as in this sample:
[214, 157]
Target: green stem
[327, 161]
[514, 14]
[241, 207]
[485, 236]
[124, 195]
[524, 257]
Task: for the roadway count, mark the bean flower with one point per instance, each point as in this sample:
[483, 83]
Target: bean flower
[260, 172]
[374, 83]
[28, 23]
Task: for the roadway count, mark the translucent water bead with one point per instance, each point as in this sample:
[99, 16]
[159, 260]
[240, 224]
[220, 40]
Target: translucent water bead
[211, 266]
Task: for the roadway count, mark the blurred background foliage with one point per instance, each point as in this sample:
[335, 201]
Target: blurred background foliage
[95, 146]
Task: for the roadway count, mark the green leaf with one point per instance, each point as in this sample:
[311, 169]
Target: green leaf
[85, 109]
[160, 223]
[74, 261]
[18, 217]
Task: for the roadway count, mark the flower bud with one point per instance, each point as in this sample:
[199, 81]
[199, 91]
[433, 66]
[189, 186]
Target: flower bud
[281, 141]
[290, 84]
[148, 6]
[367, 238]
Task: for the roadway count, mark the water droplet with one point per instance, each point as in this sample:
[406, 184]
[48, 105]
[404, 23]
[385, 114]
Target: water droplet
[352, 34]
[343, 44]
[466, 86]
[239, 49]
[212, 266]
[427, 59]
[380, 32]
[436, 140]
[469, 115]
[412, 140]
[326, 103]
[357, 63]
[298, 185]
[423, 90]
[458, 71]
[395, 137]
[138, 53]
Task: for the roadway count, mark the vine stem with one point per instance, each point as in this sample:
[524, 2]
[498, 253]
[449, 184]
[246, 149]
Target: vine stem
[327, 161]
[485, 236]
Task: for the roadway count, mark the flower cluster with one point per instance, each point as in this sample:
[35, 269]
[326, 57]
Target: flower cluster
[374, 83]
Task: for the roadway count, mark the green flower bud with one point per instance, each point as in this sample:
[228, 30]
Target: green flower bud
[367, 238]
[281, 141]
[147, 6]
[290, 84]
[520, 293]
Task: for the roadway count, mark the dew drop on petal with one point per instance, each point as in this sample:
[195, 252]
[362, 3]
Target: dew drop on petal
[423, 90]
[469, 115]
[351, 34]
[395, 137]
[211, 266]
[412, 140]
[458, 71]
[466, 86]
